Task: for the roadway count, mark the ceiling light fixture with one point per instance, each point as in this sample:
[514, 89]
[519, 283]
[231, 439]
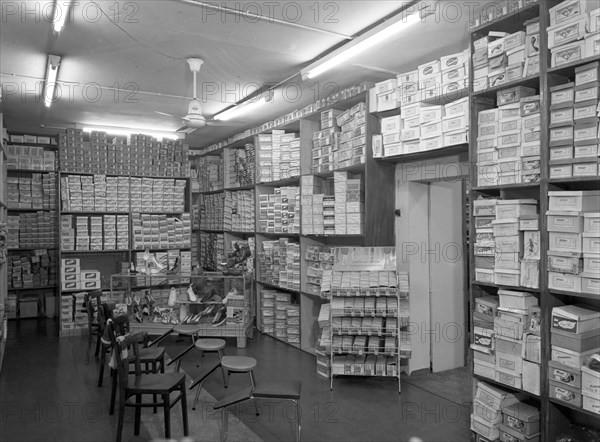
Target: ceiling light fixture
[240, 109]
[59, 17]
[363, 42]
[126, 131]
[51, 74]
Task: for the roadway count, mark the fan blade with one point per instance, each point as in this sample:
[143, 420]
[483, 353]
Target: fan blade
[186, 130]
[168, 115]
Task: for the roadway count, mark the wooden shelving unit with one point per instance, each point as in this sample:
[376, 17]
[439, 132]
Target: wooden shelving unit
[556, 416]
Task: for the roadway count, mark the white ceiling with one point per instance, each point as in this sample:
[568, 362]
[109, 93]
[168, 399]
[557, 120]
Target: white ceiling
[140, 47]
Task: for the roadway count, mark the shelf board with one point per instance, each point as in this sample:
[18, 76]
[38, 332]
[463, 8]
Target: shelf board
[104, 289]
[239, 232]
[517, 17]
[425, 155]
[14, 209]
[64, 172]
[276, 287]
[387, 113]
[211, 230]
[245, 187]
[530, 81]
[272, 234]
[22, 289]
[282, 182]
[70, 212]
[586, 179]
[77, 252]
[29, 171]
[568, 69]
[30, 249]
[160, 249]
[506, 287]
[504, 386]
[358, 168]
[446, 98]
[573, 407]
[349, 235]
[210, 192]
[313, 295]
[506, 187]
[574, 294]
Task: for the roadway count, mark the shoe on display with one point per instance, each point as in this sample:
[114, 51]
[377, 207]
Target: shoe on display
[191, 294]
[172, 297]
[232, 292]
[187, 319]
[215, 299]
[184, 311]
[175, 268]
[220, 317]
[154, 265]
[132, 269]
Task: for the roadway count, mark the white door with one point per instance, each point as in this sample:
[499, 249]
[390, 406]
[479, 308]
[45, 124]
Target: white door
[447, 295]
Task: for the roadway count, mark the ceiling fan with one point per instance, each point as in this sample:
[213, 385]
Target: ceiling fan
[194, 119]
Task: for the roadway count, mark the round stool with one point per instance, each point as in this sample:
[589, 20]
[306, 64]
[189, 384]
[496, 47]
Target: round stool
[209, 346]
[239, 364]
[187, 330]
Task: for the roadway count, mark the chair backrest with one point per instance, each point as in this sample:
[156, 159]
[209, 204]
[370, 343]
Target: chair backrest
[92, 302]
[123, 345]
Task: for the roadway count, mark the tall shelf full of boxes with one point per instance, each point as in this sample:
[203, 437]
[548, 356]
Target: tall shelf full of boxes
[534, 276]
[115, 204]
[315, 186]
[3, 240]
[32, 231]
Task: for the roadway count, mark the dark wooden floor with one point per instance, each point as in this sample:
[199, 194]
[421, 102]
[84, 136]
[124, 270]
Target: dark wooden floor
[47, 393]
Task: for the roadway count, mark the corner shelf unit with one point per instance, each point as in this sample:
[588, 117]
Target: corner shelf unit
[556, 416]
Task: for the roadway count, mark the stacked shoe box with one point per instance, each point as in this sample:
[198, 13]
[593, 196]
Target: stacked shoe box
[484, 344]
[279, 263]
[12, 231]
[267, 311]
[159, 231]
[323, 349]
[31, 270]
[49, 191]
[290, 156]
[574, 232]
[352, 138]
[239, 166]
[28, 193]
[210, 173]
[274, 147]
[66, 312]
[325, 141]
[32, 230]
[279, 212]
[590, 386]
[70, 274]
[212, 211]
[82, 233]
[239, 211]
[212, 248]
[500, 57]
[520, 421]
[574, 128]
[486, 416]
[317, 259]
[292, 313]
[508, 142]
[283, 301]
[313, 189]
[575, 338]
[80, 316]
[349, 207]
[573, 33]
[23, 157]
[512, 321]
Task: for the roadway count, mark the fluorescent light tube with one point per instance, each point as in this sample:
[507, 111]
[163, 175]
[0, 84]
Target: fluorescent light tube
[51, 74]
[61, 12]
[360, 44]
[240, 109]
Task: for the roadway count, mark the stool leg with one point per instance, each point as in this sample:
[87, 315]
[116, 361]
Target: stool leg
[184, 410]
[252, 378]
[138, 414]
[298, 420]
[224, 424]
[167, 413]
[154, 397]
[222, 369]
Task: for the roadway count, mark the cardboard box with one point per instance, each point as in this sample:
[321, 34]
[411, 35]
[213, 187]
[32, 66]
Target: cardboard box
[569, 357]
[531, 377]
[522, 418]
[564, 393]
[574, 201]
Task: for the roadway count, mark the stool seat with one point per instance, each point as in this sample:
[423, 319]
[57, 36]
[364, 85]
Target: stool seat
[238, 363]
[186, 329]
[278, 389]
[210, 344]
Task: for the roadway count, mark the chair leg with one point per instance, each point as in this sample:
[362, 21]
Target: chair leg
[167, 410]
[113, 393]
[138, 414]
[97, 344]
[298, 426]
[89, 346]
[154, 397]
[121, 417]
[252, 378]
[184, 412]
[222, 369]
[102, 363]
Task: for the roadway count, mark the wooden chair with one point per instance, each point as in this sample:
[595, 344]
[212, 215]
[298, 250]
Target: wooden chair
[95, 324]
[162, 384]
